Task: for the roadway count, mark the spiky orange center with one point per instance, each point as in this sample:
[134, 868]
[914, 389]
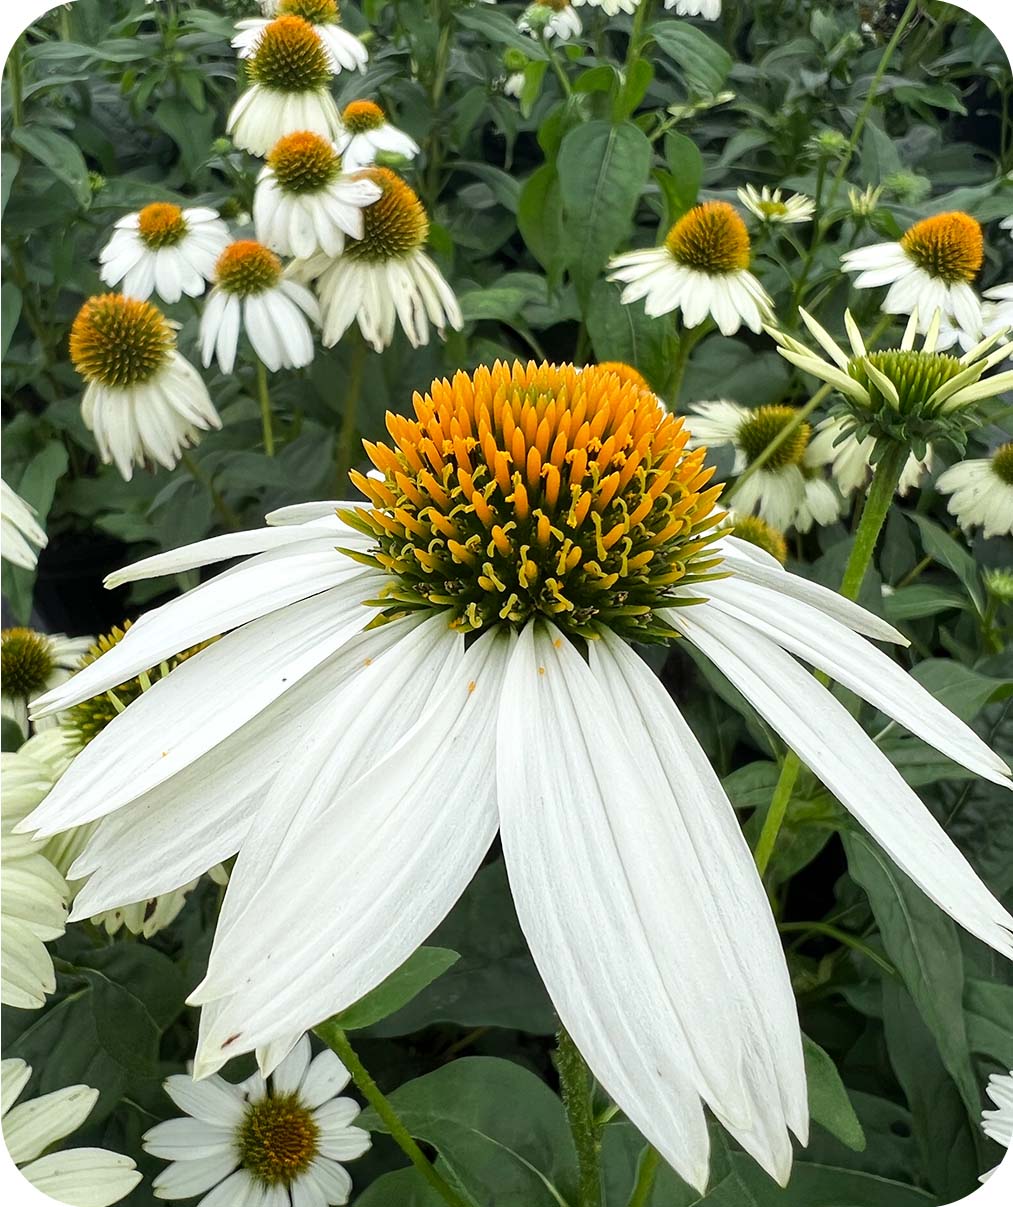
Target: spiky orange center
[290, 57]
[161, 224]
[304, 162]
[540, 489]
[277, 1139]
[625, 372]
[119, 341]
[710, 238]
[948, 246]
[395, 224]
[247, 267]
[358, 117]
[316, 12]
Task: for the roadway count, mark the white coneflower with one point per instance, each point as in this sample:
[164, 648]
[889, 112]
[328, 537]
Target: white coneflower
[710, 10]
[19, 529]
[81, 1177]
[981, 492]
[786, 490]
[386, 276]
[280, 1142]
[165, 250]
[997, 310]
[998, 1124]
[143, 401]
[551, 19]
[929, 270]
[530, 524]
[769, 207]
[367, 134]
[33, 662]
[252, 295]
[610, 7]
[344, 50]
[305, 202]
[290, 74]
[702, 268]
[850, 458]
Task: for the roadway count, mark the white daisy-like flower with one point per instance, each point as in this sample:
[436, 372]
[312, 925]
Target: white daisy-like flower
[82, 1177]
[998, 1124]
[345, 52]
[165, 250]
[513, 85]
[281, 1142]
[252, 295]
[981, 492]
[552, 515]
[610, 7]
[290, 73]
[702, 268]
[1007, 225]
[551, 18]
[385, 276]
[304, 202]
[33, 662]
[710, 10]
[787, 490]
[143, 401]
[19, 529]
[367, 134]
[997, 311]
[930, 269]
[850, 459]
[769, 207]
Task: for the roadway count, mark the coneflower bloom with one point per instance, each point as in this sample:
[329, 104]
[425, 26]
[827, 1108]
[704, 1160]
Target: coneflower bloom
[252, 295]
[998, 1124]
[305, 202]
[768, 206]
[610, 7]
[143, 401]
[929, 270]
[787, 490]
[755, 530]
[981, 492]
[368, 133]
[702, 268]
[290, 74]
[528, 525]
[345, 52]
[19, 529]
[33, 662]
[710, 10]
[551, 18]
[165, 250]
[850, 458]
[385, 276]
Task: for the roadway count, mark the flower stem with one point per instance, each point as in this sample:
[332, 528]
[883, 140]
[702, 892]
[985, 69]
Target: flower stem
[688, 340]
[228, 516]
[645, 1178]
[877, 506]
[575, 1082]
[337, 1041]
[842, 936]
[800, 416]
[264, 394]
[777, 812]
[350, 417]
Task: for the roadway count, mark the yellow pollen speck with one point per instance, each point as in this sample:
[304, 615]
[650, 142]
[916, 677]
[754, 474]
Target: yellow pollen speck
[541, 670]
[471, 686]
[948, 246]
[710, 238]
[367, 662]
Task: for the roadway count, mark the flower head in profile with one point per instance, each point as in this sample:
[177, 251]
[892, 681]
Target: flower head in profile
[385, 276]
[290, 73]
[87, 1177]
[144, 402]
[19, 529]
[251, 294]
[368, 135]
[281, 1141]
[755, 530]
[525, 526]
[997, 1124]
[33, 662]
[930, 269]
[787, 490]
[551, 19]
[769, 206]
[165, 250]
[710, 10]
[345, 52]
[981, 492]
[702, 268]
[305, 202]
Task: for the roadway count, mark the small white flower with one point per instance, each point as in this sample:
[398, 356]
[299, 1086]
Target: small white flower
[165, 250]
[34, 662]
[998, 1124]
[981, 492]
[997, 311]
[344, 50]
[553, 18]
[850, 459]
[611, 7]
[768, 206]
[864, 201]
[304, 202]
[252, 295]
[513, 85]
[710, 10]
[368, 134]
[19, 529]
[143, 401]
[82, 1177]
[702, 268]
[929, 270]
[280, 1142]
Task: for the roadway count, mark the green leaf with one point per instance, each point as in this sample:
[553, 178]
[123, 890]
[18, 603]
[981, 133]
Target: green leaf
[988, 1007]
[418, 971]
[920, 600]
[189, 129]
[10, 313]
[620, 332]
[602, 170]
[822, 1186]
[686, 166]
[402, 1188]
[498, 27]
[942, 548]
[57, 153]
[638, 80]
[829, 1103]
[540, 219]
[965, 692]
[703, 63]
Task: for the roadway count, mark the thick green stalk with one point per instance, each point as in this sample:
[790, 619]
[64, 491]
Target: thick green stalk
[264, 394]
[645, 1178]
[688, 340]
[575, 1082]
[337, 1041]
[350, 417]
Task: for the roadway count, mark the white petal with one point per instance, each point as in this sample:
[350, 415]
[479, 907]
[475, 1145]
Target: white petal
[327, 1077]
[83, 1177]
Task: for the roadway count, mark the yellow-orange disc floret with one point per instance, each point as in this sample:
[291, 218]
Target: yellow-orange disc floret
[358, 117]
[624, 372]
[304, 162]
[317, 12]
[247, 267]
[161, 224]
[950, 247]
[290, 57]
[277, 1140]
[540, 489]
[710, 238]
[119, 341]
[394, 225]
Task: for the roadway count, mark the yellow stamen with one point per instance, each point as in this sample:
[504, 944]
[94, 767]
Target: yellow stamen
[119, 341]
[161, 224]
[711, 238]
[948, 246]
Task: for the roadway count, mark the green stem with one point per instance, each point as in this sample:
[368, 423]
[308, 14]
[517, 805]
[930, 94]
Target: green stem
[800, 416]
[16, 83]
[337, 1041]
[557, 67]
[350, 417]
[264, 394]
[575, 1082]
[228, 516]
[636, 41]
[842, 936]
[777, 812]
[877, 506]
[645, 1178]
[688, 340]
